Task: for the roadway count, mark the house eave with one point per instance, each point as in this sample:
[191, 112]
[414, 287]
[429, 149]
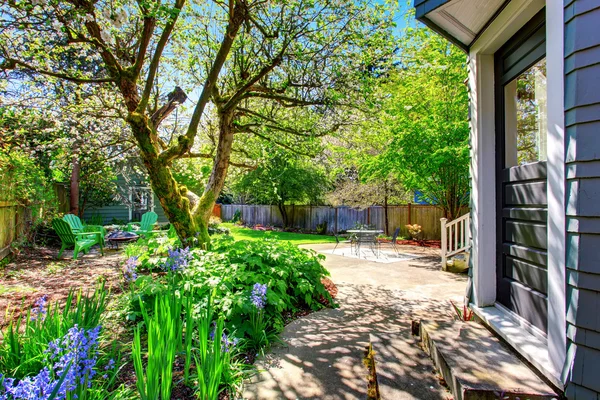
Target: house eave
[424, 8]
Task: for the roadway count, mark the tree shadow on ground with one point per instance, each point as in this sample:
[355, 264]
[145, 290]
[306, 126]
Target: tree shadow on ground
[322, 358]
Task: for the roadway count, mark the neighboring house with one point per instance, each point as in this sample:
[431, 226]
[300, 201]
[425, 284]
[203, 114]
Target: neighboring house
[134, 198]
[534, 82]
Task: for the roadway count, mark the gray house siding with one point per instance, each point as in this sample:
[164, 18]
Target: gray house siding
[582, 123]
[119, 211]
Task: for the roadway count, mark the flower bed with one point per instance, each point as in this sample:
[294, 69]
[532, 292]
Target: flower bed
[197, 319]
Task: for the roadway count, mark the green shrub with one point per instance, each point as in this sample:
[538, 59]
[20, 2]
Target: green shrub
[292, 275]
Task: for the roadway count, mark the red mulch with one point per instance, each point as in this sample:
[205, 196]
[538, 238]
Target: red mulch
[420, 243]
[330, 287]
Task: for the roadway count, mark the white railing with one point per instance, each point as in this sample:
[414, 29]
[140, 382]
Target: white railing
[456, 237]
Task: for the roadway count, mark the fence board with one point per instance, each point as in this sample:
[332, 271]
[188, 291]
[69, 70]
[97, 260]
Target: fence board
[344, 218]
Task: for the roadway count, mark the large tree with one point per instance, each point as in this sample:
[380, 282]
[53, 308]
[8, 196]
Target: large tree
[259, 62]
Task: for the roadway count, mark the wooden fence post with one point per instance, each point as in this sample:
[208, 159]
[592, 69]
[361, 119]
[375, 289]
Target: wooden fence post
[444, 246]
[409, 214]
[336, 220]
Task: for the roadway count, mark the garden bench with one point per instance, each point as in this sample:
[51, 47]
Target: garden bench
[80, 241]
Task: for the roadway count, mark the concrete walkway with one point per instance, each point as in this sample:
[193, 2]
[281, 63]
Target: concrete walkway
[323, 352]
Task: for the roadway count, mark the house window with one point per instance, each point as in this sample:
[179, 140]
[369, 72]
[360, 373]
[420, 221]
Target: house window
[142, 201]
[525, 117]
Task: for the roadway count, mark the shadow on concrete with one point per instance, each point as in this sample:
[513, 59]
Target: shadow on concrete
[324, 351]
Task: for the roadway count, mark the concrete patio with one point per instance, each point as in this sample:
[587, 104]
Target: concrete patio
[322, 357]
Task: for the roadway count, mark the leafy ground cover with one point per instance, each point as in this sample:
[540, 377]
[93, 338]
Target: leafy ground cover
[168, 323]
[243, 233]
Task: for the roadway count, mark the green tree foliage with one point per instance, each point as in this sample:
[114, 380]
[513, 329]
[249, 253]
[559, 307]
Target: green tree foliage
[66, 129]
[259, 63]
[283, 179]
[424, 130]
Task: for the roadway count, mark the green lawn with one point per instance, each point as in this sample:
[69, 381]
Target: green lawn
[240, 233]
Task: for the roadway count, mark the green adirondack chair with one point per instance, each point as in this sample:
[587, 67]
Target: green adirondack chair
[74, 221]
[78, 227]
[146, 225]
[81, 241]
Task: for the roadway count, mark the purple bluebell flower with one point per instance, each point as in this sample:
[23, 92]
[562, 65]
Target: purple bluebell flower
[131, 268]
[259, 295]
[39, 310]
[31, 387]
[77, 351]
[226, 344]
[178, 259]
[109, 365]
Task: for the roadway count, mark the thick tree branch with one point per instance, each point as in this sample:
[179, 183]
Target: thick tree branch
[238, 13]
[147, 31]
[160, 46]
[175, 98]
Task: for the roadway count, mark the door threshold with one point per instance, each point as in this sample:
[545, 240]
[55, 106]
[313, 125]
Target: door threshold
[531, 345]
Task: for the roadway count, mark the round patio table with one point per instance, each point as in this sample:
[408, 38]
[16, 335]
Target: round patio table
[116, 237]
[366, 236]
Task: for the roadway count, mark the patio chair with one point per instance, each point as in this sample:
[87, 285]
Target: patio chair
[74, 221]
[393, 242]
[78, 227]
[146, 224]
[338, 241]
[81, 241]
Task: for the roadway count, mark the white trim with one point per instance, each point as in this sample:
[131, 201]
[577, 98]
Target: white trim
[527, 340]
[130, 205]
[483, 187]
[557, 303]
[551, 352]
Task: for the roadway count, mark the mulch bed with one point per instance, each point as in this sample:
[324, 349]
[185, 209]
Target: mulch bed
[36, 272]
[419, 243]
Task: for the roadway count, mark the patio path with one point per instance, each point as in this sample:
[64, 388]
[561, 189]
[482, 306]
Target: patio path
[323, 352]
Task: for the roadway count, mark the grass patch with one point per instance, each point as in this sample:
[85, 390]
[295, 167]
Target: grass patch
[241, 233]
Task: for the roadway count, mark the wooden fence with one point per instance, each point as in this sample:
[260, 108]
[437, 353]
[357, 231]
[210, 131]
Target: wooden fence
[13, 222]
[342, 218]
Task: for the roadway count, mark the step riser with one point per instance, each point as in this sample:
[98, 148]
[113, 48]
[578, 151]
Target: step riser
[454, 349]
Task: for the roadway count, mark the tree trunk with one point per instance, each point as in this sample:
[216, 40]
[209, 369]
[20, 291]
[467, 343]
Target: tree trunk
[216, 181]
[284, 215]
[74, 198]
[171, 195]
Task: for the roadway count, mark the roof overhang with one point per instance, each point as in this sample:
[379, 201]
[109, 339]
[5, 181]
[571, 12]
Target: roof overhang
[460, 21]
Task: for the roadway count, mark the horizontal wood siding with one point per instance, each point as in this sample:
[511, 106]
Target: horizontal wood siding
[342, 218]
[109, 214]
[582, 122]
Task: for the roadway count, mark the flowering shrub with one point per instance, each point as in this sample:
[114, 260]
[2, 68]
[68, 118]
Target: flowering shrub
[414, 231]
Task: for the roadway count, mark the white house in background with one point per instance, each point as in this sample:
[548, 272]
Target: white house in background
[534, 81]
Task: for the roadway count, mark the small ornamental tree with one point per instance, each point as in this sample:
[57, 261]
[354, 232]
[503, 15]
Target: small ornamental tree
[281, 180]
[259, 63]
